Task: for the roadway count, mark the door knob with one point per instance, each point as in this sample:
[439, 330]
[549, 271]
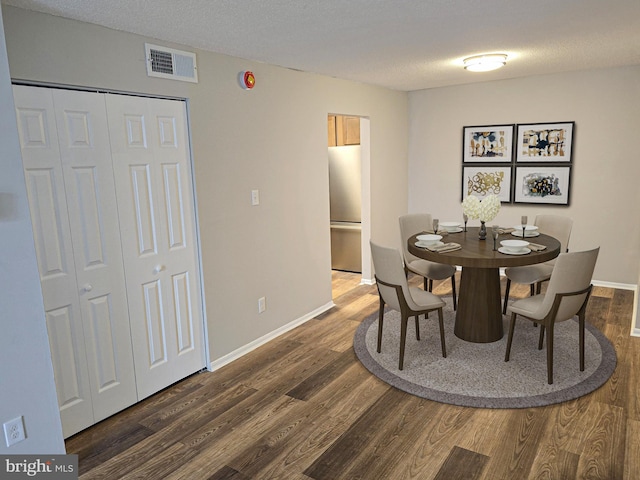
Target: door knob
[157, 269]
[87, 287]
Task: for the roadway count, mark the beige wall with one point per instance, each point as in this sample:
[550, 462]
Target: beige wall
[272, 138]
[605, 198]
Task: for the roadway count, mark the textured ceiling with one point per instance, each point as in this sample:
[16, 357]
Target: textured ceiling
[399, 44]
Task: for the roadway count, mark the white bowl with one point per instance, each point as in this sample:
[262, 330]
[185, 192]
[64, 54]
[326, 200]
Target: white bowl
[514, 246]
[450, 226]
[430, 239]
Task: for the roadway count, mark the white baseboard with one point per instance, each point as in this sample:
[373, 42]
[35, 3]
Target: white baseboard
[230, 357]
[620, 286]
[635, 322]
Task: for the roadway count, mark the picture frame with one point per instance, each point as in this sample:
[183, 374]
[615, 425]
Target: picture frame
[545, 142]
[488, 144]
[542, 185]
[483, 180]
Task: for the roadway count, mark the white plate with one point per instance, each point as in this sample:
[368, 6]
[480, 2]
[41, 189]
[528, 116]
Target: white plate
[454, 230]
[449, 224]
[528, 228]
[524, 251]
[518, 233]
[426, 245]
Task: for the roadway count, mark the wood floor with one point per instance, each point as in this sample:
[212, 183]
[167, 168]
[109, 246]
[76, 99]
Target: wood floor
[303, 407]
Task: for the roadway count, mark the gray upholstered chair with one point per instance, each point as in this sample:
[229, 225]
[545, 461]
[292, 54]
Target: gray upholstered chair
[558, 227]
[395, 292]
[412, 224]
[566, 296]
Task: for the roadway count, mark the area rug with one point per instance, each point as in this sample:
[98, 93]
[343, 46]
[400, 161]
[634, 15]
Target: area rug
[475, 374]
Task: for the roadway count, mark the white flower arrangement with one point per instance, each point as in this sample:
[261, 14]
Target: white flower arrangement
[485, 209]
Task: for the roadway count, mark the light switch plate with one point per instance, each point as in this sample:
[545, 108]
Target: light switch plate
[255, 197]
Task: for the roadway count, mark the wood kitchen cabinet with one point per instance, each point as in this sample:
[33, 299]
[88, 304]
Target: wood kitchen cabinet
[343, 130]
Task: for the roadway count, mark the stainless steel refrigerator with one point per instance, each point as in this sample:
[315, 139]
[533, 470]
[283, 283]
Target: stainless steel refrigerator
[345, 193]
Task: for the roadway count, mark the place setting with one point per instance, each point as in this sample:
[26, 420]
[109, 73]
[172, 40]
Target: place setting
[517, 247]
[432, 241]
[523, 230]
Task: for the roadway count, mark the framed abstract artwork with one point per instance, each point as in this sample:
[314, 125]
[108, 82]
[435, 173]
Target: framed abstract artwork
[485, 180]
[487, 143]
[544, 142]
[542, 184]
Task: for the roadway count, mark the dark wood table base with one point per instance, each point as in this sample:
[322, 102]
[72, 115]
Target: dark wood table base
[479, 314]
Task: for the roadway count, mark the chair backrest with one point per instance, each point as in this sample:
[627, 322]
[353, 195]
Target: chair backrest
[389, 268]
[411, 224]
[557, 226]
[572, 273]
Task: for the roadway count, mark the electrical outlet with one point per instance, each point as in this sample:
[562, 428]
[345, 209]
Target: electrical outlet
[262, 304]
[14, 431]
[255, 197]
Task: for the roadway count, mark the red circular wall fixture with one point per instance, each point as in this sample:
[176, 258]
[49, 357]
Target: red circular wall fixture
[248, 80]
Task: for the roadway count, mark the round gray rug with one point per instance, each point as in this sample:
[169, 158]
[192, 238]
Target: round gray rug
[475, 374]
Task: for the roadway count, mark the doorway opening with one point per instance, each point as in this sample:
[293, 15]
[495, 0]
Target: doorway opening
[349, 194]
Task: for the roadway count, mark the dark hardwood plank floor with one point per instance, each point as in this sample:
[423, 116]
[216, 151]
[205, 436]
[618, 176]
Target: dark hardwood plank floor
[303, 407]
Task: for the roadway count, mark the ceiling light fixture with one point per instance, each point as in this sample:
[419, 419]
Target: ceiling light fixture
[485, 63]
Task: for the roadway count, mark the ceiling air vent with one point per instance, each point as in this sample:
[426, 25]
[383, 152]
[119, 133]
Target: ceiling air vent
[169, 63]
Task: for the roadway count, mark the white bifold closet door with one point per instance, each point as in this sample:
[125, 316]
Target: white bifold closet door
[109, 186]
[67, 163]
[150, 153]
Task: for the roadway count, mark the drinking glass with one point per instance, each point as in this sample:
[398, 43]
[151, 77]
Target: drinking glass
[465, 217]
[495, 232]
[523, 222]
[436, 222]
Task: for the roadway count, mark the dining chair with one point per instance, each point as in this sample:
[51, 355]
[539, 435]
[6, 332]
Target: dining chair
[567, 296]
[395, 292]
[412, 224]
[556, 226]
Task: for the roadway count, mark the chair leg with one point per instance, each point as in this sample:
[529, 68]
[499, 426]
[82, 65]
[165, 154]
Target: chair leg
[581, 326]
[441, 322]
[506, 296]
[426, 289]
[380, 318]
[417, 328]
[430, 285]
[453, 291]
[541, 338]
[403, 340]
[532, 290]
[512, 326]
[549, 353]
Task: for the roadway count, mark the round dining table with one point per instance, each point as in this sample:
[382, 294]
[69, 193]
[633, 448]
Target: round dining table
[479, 312]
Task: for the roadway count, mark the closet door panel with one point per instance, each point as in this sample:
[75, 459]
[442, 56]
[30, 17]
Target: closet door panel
[49, 217]
[140, 178]
[85, 151]
[151, 163]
